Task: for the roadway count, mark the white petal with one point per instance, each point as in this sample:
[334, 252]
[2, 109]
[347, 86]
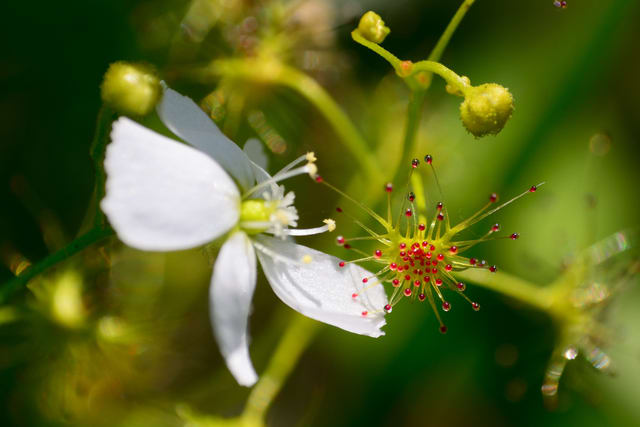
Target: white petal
[254, 149]
[185, 119]
[232, 286]
[162, 195]
[321, 289]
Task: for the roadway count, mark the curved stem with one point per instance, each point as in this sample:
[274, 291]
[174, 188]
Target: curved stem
[511, 286]
[390, 57]
[298, 335]
[273, 72]
[437, 68]
[93, 236]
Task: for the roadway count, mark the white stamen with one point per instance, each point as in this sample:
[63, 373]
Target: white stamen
[310, 231]
[311, 157]
[330, 223]
[291, 165]
[312, 169]
[309, 168]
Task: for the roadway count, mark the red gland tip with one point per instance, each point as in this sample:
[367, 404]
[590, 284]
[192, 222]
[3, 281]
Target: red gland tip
[393, 266]
[340, 240]
[440, 257]
[378, 253]
[341, 263]
[338, 209]
[514, 236]
[421, 297]
[453, 249]
[533, 189]
[402, 245]
[439, 282]
[448, 267]
[365, 280]
[422, 227]
[417, 283]
[347, 246]
[411, 196]
[354, 295]
[387, 308]
[428, 158]
[440, 216]
[493, 268]
[443, 329]
[319, 178]
[364, 313]
[495, 227]
[475, 306]
[388, 187]
[396, 282]
[408, 213]
[461, 286]
[446, 306]
[415, 163]
[434, 271]
[407, 292]
[473, 261]
[439, 206]
[493, 197]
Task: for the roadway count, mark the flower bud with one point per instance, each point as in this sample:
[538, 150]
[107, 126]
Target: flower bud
[486, 109]
[372, 27]
[131, 89]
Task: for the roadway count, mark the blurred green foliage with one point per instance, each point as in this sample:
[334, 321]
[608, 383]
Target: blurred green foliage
[141, 343]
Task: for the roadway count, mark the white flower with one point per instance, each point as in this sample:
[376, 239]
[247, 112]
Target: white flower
[162, 195]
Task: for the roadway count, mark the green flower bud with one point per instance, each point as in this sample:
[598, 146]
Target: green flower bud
[486, 109]
[372, 27]
[131, 89]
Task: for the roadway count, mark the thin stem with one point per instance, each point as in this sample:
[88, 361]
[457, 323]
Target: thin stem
[273, 72]
[511, 286]
[97, 151]
[393, 60]
[438, 50]
[298, 335]
[414, 110]
[93, 236]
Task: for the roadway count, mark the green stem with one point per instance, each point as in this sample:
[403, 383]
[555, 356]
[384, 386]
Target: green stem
[97, 151]
[511, 286]
[93, 236]
[438, 50]
[414, 110]
[273, 72]
[390, 57]
[298, 335]
[437, 68]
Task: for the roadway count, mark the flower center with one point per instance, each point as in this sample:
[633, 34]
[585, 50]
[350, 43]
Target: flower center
[255, 215]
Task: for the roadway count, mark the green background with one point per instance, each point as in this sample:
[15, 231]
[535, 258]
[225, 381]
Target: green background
[573, 72]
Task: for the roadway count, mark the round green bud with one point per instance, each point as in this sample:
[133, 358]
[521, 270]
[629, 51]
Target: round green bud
[372, 27]
[486, 109]
[130, 89]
